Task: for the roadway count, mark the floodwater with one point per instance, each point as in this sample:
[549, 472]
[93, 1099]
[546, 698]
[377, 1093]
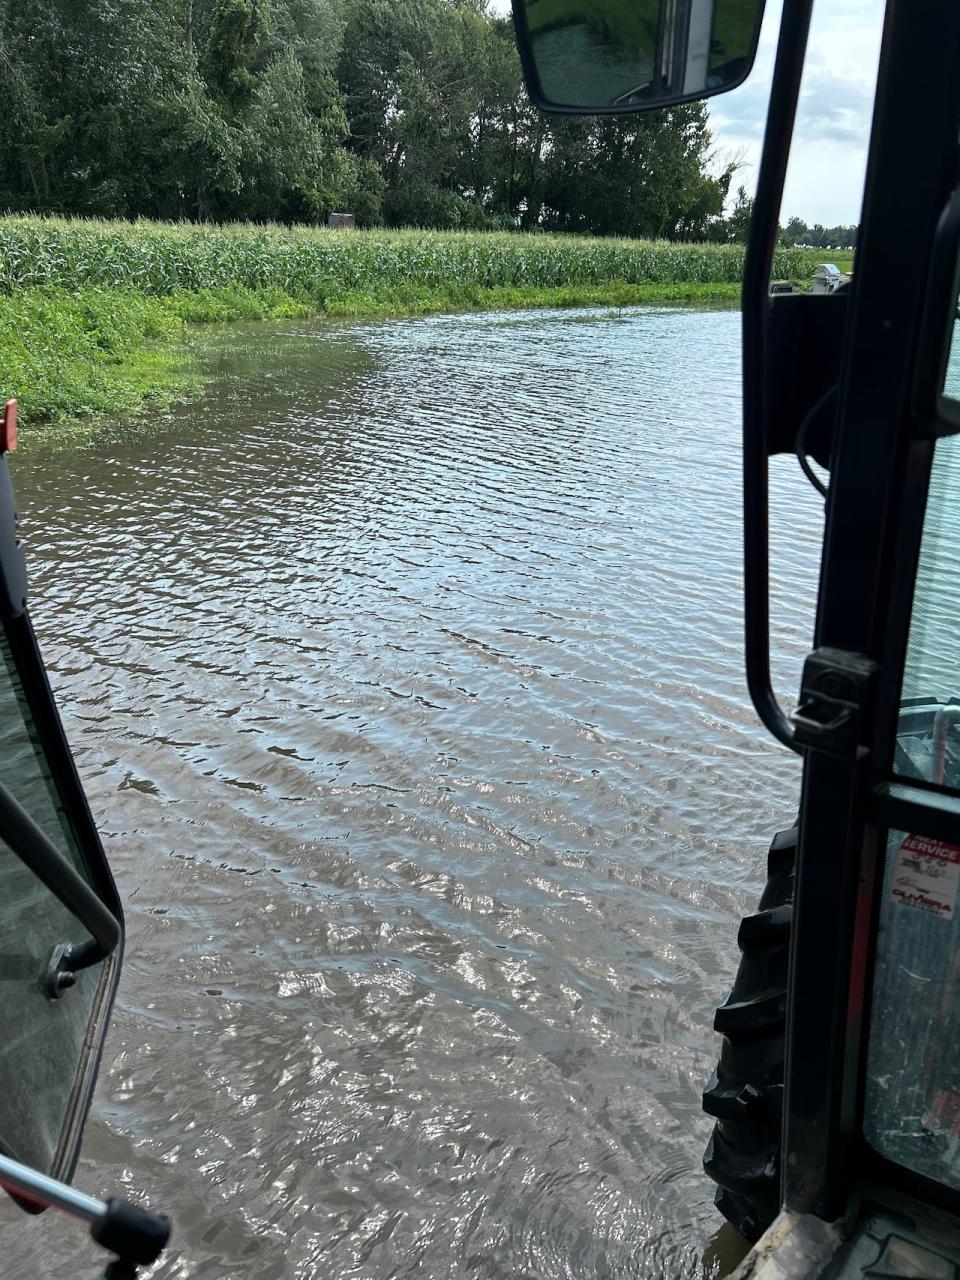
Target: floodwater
[403, 669]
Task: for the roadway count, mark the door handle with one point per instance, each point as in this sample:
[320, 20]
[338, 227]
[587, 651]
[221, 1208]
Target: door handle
[764, 231]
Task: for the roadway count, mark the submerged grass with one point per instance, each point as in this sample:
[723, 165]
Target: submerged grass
[67, 354]
[96, 312]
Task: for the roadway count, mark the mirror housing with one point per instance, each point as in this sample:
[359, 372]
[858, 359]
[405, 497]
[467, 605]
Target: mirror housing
[611, 57]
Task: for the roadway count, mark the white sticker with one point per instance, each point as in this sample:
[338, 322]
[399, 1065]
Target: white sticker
[926, 874]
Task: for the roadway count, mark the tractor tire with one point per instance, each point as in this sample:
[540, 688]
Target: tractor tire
[745, 1093]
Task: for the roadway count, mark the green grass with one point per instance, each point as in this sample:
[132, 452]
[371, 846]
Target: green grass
[95, 314]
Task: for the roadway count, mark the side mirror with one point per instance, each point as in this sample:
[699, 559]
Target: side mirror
[61, 926]
[590, 57]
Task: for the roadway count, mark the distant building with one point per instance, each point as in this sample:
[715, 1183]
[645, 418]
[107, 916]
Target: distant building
[342, 220]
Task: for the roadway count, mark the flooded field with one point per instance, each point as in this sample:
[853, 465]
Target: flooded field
[404, 672]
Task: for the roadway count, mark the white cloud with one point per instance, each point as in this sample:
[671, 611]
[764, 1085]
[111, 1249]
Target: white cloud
[828, 156]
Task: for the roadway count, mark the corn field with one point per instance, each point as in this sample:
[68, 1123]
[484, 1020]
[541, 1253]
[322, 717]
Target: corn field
[165, 258]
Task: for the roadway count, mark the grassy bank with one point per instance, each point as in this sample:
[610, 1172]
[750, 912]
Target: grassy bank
[95, 313]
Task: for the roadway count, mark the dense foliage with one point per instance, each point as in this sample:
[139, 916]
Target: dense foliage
[400, 111]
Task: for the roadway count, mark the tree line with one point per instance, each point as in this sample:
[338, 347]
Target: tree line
[796, 232]
[402, 112]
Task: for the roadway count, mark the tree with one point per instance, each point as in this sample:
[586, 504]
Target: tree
[642, 175]
[738, 223]
[237, 40]
[412, 110]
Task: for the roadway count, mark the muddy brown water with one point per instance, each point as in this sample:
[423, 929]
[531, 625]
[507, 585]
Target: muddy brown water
[403, 668]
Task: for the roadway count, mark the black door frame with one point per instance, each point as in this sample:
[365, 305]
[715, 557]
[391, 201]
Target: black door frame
[879, 475]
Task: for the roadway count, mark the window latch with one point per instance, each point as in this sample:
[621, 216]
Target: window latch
[836, 696]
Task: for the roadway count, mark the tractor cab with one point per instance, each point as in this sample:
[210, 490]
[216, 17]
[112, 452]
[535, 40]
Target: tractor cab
[836, 1146]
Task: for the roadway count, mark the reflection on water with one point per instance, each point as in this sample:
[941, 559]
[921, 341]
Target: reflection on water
[404, 673]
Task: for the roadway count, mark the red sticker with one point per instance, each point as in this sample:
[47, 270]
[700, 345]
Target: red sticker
[8, 440]
[926, 874]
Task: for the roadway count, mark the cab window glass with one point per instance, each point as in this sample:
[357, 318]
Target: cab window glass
[42, 1041]
[951, 379]
[912, 1110]
[928, 739]
[912, 1105]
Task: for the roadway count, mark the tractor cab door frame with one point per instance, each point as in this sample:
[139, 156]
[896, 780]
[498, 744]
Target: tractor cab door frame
[888, 415]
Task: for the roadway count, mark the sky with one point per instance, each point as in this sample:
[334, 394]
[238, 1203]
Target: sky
[827, 160]
[828, 156]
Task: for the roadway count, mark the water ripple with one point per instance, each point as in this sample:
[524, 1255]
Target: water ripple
[404, 673]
